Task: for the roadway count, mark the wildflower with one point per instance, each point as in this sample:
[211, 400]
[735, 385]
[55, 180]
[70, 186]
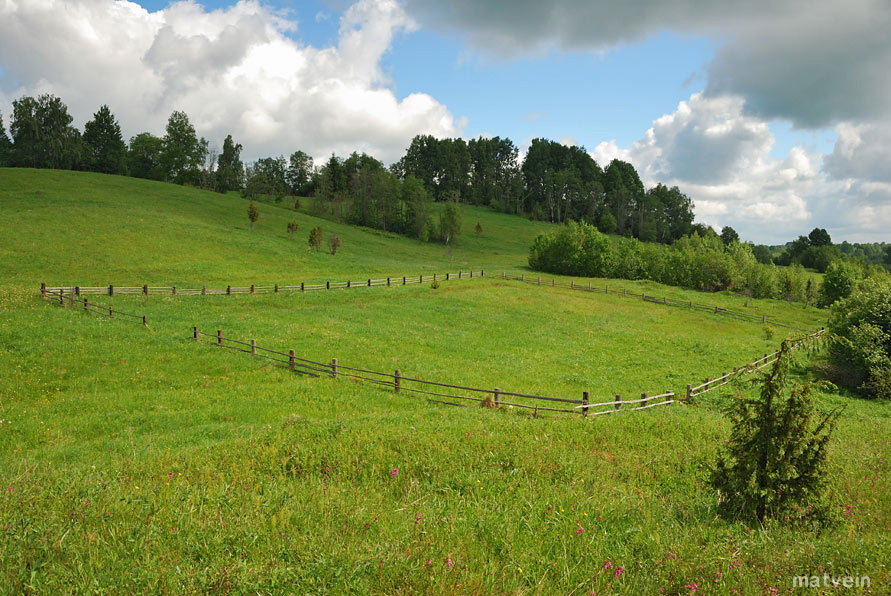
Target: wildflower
[849, 510]
[618, 571]
[418, 518]
[520, 569]
[579, 529]
[773, 590]
[607, 564]
[693, 587]
[448, 562]
[394, 472]
[599, 518]
[718, 576]
[734, 564]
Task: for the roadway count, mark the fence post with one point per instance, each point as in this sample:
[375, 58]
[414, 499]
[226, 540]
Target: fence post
[571, 284]
[482, 273]
[291, 361]
[447, 276]
[763, 319]
[643, 296]
[421, 278]
[86, 304]
[459, 274]
[110, 290]
[707, 382]
[174, 290]
[301, 287]
[253, 347]
[145, 289]
[606, 290]
[276, 289]
[219, 337]
[334, 367]
[503, 276]
[643, 397]
[43, 290]
[663, 300]
[204, 290]
[348, 284]
[252, 288]
[195, 333]
[144, 323]
[471, 274]
[77, 291]
[522, 277]
[327, 285]
[585, 403]
[691, 305]
[618, 400]
[434, 277]
[61, 296]
[625, 292]
[397, 380]
[403, 280]
[589, 286]
[689, 391]
[496, 396]
[539, 280]
[553, 283]
[369, 282]
[110, 312]
[228, 290]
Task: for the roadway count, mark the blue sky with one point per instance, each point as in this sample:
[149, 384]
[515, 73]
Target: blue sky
[772, 118]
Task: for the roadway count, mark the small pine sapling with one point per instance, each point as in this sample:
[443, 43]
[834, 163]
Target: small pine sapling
[253, 214]
[293, 226]
[478, 228]
[315, 238]
[334, 242]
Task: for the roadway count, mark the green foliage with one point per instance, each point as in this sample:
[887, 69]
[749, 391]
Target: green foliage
[775, 461]
[266, 178]
[42, 134]
[861, 351]
[5, 146]
[839, 282]
[182, 152]
[299, 174]
[253, 214]
[104, 147]
[607, 223]
[316, 236]
[230, 169]
[293, 226]
[144, 157]
[450, 223]
[576, 249]
[729, 236]
[334, 242]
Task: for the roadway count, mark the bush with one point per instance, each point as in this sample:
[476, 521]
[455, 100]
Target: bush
[838, 282]
[316, 235]
[293, 226]
[861, 350]
[575, 249]
[334, 242]
[774, 462]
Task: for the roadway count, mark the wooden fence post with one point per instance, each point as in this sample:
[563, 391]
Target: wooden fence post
[145, 289]
[195, 333]
[459, 274]
[77, 291]
[301, 287]
[707, 383]
[471, 274]
[663, 300]
[691, 305]
[585, 403]
[421, 278]
[482, 273]
[618, 400]
[111, 290]
[689, 391]
[276, 289]
[348, 284]
[327, 285]
[204, 290]
[219, 337]
[625, 292]
[228, 290]
[763, 319]
[43, 290]
[61, 296]
[503, 276]
[110, 312]
[369, 282]
[334, 367]
[434, 277]
[144, 323]
[606, 290]
[522, 277]
[397, 380]
[252, 288]
[291, 361]
[571, 284]
[253, 347]
[447, 276]
[539, 280]
[553, 283]
[174, 290]
[86, 304]
[589, 286]
[496, 396]
[403, 280]
[643, 397]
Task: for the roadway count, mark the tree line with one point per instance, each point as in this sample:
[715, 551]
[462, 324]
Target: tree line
[553, 183]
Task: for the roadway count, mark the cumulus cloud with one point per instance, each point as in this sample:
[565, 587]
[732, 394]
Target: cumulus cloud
[720, 156]
[235, 71]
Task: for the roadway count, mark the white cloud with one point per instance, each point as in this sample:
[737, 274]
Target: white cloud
[233, 70]
[721, 157]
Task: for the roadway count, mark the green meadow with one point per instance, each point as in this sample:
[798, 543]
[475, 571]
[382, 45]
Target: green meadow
[134, 460]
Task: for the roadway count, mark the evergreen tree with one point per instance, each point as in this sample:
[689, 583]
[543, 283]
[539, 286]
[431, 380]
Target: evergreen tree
[103, 144]
[5, 146]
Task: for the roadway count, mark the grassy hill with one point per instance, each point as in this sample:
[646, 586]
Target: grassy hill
[134, 460]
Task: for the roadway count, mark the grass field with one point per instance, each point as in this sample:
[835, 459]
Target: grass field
[135, 460]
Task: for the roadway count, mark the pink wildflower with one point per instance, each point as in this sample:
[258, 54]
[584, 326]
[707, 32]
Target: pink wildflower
[448, 562]
[394, 472]
[599, 518]
[693, 587]
[607, 564]
[579, 529]
[618, 571]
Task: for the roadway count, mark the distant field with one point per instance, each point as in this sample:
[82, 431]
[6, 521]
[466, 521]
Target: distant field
[135, 460]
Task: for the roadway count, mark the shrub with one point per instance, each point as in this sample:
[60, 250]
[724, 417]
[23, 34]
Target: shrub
[253, 214]
[334, 242]
[574, 249]
[478, 229]
[315, 238]
[293, 226]
[774, 462]
[838, 282]
[861, 350]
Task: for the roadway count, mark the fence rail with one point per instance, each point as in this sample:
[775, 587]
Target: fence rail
[493, 397]
[92, 307]
[147, 290]
[689, 304]
[756, 365]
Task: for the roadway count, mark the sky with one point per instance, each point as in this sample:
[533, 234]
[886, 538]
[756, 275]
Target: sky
[774, 116]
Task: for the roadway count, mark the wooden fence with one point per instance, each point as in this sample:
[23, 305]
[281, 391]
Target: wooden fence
[147, 290]
[758, 364]
[434, 390]
[689, 304]
[60, 298]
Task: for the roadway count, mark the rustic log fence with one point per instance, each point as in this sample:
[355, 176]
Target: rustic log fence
[59, 297]
[688, 304]
[147, 290]
[748, 368]
[434, 390]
